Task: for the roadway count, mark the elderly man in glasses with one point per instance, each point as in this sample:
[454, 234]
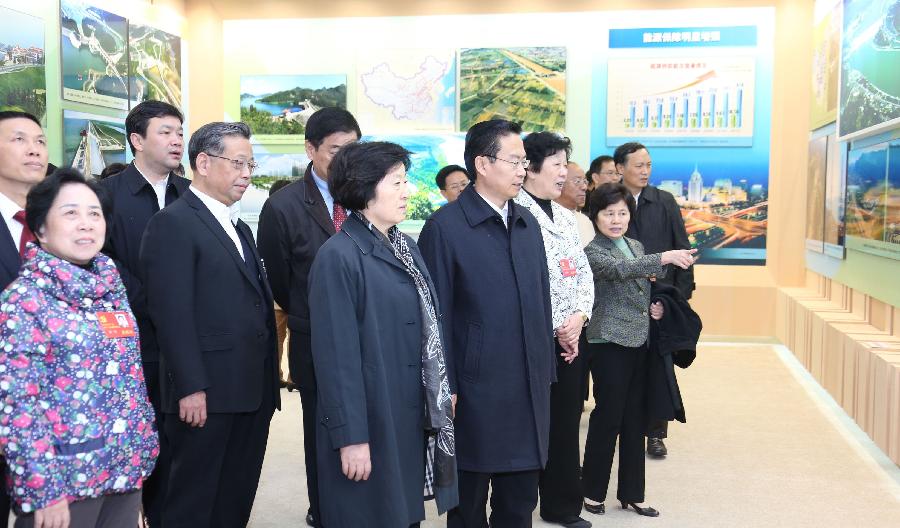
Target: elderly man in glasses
[209, 299]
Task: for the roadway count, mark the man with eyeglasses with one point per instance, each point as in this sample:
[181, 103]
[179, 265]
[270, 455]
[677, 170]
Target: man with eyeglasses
[148, 184]
[486, 256]
[209, 299]
[452, 181]
[573, 198]
[293, 225]
[658, 225]
[602, 170]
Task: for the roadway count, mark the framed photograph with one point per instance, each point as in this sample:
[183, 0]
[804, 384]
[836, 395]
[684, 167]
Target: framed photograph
[23, 85]
[277, 106]
[94, 55]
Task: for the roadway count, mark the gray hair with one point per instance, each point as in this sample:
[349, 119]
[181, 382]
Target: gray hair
[210, 138]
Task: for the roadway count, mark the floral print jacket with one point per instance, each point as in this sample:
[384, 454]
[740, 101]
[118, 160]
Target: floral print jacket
[75, 420]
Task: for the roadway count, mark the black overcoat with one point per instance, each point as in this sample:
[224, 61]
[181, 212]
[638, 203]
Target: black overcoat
[133, 204]
[366, 328]
[673, 341]
[658, 225]
[494, 291]
[293, 225]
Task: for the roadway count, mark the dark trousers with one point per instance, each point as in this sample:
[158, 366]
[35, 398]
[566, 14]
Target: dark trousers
[560, 483]
[215, 468]
[302, 373]
[658, 428]
[4, 496]
[108, 511]
[513, 499]
[620, 382]
[154, 493]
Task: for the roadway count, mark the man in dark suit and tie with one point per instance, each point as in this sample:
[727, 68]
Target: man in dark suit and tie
[23, 163]
[293, 225]
[209, 299]
[156, 137]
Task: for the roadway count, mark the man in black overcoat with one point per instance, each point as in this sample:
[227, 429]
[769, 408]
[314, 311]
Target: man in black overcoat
[486, 257]
[658, 225]
[209, 299]
[156, 137]
[23, 164]
[293, 225]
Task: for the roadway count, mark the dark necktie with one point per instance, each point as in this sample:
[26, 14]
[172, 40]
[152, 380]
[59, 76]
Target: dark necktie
[27, 235]
[338, 217]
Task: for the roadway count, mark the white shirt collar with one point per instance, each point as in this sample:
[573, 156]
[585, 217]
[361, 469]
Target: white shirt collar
[503, 212]
[8, 208]
[161, 183]
[217, 208]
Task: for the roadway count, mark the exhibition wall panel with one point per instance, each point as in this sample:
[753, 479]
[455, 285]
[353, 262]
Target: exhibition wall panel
[749, 290]
[164, 17]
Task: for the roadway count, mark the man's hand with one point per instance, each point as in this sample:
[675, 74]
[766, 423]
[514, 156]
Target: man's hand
[656, 311]
[56, 515]
[453, 399]
[192, 409]
[356, 463]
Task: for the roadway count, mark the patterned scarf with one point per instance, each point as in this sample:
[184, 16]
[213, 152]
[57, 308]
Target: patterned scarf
[440, 467]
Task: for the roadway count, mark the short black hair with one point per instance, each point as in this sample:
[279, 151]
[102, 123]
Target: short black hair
[441, 178]
[597, 165]
[15, 114]
[210, 138]
[278, 185]
[111, 169]
[483, 139]
[620, 156]
[40, 198]
[327, 121]
[606, 195]
[139, 118]
[357, 169]
[541, 145]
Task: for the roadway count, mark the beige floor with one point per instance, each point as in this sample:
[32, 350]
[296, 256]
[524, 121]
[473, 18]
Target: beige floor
[763, 447]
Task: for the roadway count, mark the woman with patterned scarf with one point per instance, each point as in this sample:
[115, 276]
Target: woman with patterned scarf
[76, 427]
[385, 410]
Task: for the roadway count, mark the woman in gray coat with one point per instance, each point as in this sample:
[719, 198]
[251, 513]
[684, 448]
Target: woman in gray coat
[385, 411]
[617, 337]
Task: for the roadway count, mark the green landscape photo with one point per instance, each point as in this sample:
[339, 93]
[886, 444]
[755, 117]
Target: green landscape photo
[23, 86]
[525, 85]
[280, 105]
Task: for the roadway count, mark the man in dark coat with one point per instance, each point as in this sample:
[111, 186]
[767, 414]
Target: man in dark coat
[293, 225]
[156, 137]
[657, 225]
[486, 256]
[209, 299]
[23, 164]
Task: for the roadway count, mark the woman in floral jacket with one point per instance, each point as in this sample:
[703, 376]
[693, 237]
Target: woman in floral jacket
[76, 427]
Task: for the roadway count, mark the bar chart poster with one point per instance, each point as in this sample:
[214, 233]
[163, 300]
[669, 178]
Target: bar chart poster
[681, 101]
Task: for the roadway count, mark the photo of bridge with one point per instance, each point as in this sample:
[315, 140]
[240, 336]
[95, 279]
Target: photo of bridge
[154, 65]
[94, 55]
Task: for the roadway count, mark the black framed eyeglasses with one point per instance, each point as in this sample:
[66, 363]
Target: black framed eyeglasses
[523, 162]
[238, 164]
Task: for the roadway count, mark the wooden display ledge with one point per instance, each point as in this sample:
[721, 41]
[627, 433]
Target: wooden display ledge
[850, 343]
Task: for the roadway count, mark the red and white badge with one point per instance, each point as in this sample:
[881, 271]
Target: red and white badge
[568, 268]
[116, 324]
